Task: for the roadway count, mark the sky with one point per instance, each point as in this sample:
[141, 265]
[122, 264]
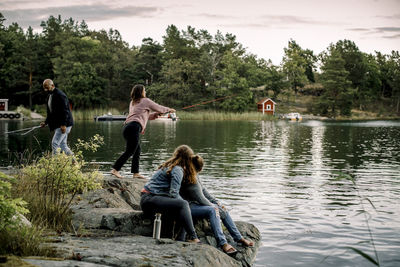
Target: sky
[263, 27]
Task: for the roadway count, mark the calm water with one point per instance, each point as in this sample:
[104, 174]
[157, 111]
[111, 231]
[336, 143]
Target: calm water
[280, 176]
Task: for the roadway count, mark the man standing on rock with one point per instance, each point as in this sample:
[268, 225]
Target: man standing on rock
[59, 117]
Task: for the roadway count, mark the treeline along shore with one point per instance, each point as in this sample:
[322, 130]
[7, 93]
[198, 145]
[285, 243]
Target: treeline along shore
[98, 68]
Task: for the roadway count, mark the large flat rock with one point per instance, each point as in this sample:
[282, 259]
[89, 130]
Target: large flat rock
[116, 233]
[132, 250]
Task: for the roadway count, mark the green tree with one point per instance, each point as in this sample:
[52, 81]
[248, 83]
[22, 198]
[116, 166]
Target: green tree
[371, 82]
[181, 83]
[394, 74]
[276, 80]
[384, 74]
[337, 94]
[294, 66]
[116, 66]
[356, 65]
[177, 45]
[13, 68]
[33, 63]
[311, 60]
[233, 82]
[149, 61]
[76, 73]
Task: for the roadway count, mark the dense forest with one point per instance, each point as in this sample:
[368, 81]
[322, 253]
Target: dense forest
[98, 69]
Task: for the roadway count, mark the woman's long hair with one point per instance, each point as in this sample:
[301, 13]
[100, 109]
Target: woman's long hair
[182, 157]
[198, 163]
[137, 93]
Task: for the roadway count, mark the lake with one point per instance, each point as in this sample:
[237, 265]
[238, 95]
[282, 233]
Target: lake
[293, 180]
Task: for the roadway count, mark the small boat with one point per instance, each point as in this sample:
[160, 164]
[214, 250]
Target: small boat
[110, 117]
[293, 116]
[167, 116]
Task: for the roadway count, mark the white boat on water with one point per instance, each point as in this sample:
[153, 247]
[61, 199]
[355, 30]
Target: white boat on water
[293, 116]
[110, 117]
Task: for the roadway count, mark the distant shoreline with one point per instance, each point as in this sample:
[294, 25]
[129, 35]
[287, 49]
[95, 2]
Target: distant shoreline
[87, 115]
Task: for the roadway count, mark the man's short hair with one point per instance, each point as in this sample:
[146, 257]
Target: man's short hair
[48, 82]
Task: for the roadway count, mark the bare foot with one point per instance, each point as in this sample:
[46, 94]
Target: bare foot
[196, 241]
[245, 242]
[116, 173]
[138, 176]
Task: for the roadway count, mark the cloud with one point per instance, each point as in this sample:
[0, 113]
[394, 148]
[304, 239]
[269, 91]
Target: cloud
[384, 32]
[279, 21]
[214, 16]
[396, 36]
[392, 17]
[9, 4]
[359, 30]
[287, 20]
[89, 13]
[388, 29]
[376, 30]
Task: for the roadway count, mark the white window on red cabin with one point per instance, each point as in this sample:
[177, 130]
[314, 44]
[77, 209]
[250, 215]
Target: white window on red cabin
[269, 107]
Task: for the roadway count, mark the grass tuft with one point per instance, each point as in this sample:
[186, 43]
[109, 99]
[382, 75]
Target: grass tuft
[219, 116]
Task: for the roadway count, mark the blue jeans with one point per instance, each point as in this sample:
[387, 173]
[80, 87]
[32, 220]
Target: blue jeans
[229, 224]
[209, 212]
[60, 141]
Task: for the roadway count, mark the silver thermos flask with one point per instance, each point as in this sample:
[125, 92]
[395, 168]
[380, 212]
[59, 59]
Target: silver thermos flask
[157, 226]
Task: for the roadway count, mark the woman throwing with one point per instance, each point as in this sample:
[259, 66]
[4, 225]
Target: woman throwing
[161, 193]
[134, 125]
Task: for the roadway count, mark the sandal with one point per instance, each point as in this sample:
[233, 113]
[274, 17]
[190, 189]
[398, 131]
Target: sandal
[245, 243]
[116, 173]
[228, 249]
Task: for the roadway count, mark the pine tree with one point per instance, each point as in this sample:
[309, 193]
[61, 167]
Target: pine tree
[337, 95]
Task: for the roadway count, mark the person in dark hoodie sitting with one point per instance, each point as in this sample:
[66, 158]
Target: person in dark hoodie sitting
[204, 205]
[59, 117]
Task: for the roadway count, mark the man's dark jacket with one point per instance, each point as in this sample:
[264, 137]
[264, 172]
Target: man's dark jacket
[60, 112]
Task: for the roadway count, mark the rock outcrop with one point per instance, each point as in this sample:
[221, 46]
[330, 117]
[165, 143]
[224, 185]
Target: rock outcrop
[111, 230]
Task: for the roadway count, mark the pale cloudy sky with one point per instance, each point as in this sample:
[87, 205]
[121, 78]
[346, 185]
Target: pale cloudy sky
[262, 26]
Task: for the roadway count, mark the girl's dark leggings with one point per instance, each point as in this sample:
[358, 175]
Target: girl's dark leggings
[131, 134]
[179, 208]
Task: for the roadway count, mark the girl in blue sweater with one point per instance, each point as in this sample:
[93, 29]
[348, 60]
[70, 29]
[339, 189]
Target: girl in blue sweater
[161, 193]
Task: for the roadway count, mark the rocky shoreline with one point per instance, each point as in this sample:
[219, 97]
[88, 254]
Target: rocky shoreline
[110, 230]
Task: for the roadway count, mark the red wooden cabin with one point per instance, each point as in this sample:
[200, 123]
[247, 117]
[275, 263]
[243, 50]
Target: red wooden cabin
[266, 106]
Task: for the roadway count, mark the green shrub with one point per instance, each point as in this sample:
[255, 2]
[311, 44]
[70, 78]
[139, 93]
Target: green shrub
[26, 112]
[50, 184]
[9, 207]
[15, 237]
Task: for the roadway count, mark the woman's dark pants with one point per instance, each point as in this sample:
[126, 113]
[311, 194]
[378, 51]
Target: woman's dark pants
[131, 134]
[176, 207]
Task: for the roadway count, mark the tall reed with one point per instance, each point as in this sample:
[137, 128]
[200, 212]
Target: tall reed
[219, 116]
[374, 259]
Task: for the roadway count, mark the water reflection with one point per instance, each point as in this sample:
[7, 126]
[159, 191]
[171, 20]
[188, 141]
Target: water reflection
[280, 176]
